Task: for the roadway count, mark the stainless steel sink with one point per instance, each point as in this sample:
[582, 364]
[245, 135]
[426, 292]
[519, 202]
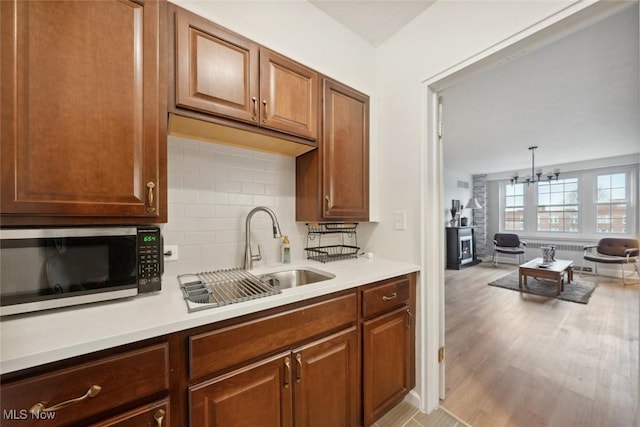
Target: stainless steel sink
[296, 277]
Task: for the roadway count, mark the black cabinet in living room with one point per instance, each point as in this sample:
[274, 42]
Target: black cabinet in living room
[461, 247]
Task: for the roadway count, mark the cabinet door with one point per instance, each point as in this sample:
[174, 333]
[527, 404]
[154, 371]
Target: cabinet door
[154, 415]
[288, 95]
[326, 382]
[257, 395]
[387, 362]
[83, 110]
[345, 153]
[217, 71]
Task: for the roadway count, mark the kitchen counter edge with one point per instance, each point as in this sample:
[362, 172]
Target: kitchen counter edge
[31, 340]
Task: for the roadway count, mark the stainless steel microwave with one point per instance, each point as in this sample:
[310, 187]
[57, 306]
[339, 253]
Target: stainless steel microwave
[58, 267]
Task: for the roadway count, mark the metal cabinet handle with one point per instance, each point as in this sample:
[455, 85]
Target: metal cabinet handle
[40, 407]
[150, 198]
[287, 372]
[299, 368]
[390, 297]
[326, 212]
[254, 116]
[159, 417]
[266, 111]
[409, 319]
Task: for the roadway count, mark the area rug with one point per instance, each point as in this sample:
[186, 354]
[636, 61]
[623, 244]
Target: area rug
[577, 291]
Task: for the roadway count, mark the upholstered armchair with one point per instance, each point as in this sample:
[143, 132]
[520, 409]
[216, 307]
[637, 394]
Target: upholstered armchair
[612, 250]
[509, 244]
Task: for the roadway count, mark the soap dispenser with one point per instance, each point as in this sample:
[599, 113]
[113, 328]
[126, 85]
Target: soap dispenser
[286, 250]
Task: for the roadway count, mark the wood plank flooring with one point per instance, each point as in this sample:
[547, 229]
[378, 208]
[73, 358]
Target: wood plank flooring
[517, 359]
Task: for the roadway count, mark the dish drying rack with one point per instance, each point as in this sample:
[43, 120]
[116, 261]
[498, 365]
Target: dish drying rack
[343, 238]
[221, 287]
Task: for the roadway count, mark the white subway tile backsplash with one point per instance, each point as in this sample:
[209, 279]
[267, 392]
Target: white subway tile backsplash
[212, 188]
[213, 198]
[214, 224]
[225, 186]
[180, 195]
[253, 188]
[199, 237]
[265, 177]
[241, 199]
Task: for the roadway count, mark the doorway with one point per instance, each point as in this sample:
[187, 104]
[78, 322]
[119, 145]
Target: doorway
[432, 167]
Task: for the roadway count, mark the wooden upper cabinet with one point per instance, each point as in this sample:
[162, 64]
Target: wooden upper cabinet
[83, 112]
[288, 95]
[217, 71]
[332, 183]
[345, 143]
[220, 74]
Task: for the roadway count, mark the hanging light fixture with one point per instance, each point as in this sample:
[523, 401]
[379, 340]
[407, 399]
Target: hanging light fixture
[537, 175]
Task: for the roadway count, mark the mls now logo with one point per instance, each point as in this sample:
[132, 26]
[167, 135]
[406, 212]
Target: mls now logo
[23, 414]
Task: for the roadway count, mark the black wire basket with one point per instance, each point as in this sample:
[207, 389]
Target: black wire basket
[332, 253]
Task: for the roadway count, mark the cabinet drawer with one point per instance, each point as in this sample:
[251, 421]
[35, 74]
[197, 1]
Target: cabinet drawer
[385, 296]
[214, 351]
[154, 414]
[123, 378]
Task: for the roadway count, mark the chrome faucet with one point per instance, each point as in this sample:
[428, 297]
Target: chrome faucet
[248, 256]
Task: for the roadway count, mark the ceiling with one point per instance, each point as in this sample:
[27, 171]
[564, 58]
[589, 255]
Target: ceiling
[373, 20]
[576, 98]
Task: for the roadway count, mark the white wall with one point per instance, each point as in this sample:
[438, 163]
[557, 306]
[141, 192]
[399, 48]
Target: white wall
[452, 192]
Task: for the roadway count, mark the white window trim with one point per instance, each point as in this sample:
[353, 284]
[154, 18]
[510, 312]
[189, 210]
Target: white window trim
[587, 206]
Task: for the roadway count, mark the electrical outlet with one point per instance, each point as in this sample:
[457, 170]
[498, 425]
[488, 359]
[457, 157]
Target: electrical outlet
[170, 252]
[400, 220]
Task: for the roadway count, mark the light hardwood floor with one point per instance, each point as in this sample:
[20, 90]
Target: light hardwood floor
[515, 359]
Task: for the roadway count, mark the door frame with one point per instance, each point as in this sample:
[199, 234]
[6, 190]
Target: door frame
[432, 321]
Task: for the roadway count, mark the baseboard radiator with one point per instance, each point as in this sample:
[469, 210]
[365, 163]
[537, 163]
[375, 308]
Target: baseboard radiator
[565, 247]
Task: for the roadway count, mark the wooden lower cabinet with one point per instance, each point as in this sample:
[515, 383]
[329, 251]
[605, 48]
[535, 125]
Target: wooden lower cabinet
[92, 391]
[313, 385]
[256, 395]
[386, 364]
[340, 360]
[388, 344]
[326, 382]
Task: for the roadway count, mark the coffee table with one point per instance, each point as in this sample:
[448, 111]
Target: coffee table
[554, 271]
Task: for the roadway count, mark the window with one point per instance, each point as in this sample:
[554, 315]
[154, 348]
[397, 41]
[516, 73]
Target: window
[612, 203]
[514, 207]
[558, 206]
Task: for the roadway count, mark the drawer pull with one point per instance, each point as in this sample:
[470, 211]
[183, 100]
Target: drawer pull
[159, 417]
[287, 372]
[40, 407]
[299, 368]
[390, 297]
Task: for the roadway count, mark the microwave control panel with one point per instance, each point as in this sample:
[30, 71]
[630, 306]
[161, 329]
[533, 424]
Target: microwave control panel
[150, 261]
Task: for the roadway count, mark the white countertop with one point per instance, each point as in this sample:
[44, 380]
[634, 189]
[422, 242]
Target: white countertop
[34, 339]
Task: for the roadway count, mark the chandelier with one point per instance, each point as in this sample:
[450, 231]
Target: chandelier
[537, 176]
